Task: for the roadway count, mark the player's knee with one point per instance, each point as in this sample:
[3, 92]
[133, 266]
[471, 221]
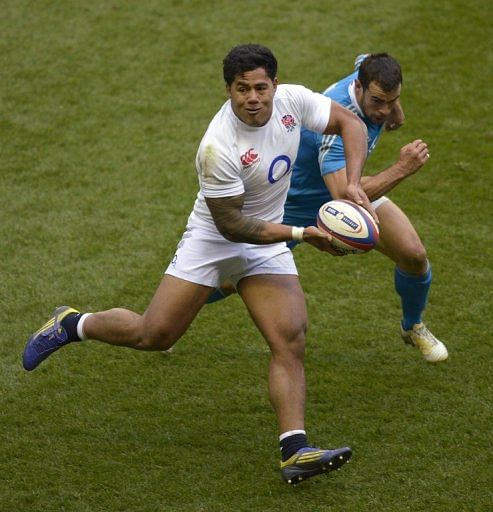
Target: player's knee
[158, 337]
[415, 258]
[291, 344]
[298, 337]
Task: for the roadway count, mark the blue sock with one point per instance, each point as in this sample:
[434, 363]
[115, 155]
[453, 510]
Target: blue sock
[413, 291]
[217, 294]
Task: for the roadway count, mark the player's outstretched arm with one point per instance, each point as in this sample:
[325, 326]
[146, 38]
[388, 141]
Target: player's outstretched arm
[236, 227]
[412, 157]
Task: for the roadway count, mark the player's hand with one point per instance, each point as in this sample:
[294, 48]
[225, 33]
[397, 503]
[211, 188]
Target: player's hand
[413, 156]
[396, 118]
[320, 240]
[357, 195]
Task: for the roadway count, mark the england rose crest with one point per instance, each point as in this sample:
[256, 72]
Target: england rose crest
[288, 122]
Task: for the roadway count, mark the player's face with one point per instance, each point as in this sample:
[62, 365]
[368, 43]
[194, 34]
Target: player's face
[252, 96]
[375, 102]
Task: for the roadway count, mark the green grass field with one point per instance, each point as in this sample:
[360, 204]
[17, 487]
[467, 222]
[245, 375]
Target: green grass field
[103, 105]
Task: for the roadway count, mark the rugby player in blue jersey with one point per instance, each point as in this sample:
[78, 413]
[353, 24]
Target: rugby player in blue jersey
[372, 92]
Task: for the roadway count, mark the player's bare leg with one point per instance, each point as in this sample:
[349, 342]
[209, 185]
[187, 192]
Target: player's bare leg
[173, 307]
[175, 304]
[400, 242]
[277, 306]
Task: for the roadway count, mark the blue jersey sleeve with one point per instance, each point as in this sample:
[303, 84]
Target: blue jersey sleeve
[331, 154]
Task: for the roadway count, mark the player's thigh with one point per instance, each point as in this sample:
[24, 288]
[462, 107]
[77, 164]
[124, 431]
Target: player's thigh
[173, 307]
[277, 305]
[398, 237]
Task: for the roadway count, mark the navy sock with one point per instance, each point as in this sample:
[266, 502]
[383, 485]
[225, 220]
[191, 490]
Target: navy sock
[69, 323]
[290, 445]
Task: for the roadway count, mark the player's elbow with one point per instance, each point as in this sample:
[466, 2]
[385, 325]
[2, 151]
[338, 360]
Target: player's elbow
[229, 231]
[231, 236]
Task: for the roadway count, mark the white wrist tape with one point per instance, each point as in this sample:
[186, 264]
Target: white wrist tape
[297, 233]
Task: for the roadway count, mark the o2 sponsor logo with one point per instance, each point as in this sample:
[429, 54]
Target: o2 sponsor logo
[278, 168]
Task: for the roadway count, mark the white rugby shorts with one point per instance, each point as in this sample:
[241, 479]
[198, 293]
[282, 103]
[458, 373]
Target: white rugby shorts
[205, 257]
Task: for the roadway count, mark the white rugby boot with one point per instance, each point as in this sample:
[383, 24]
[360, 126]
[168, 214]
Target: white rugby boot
[433, 350]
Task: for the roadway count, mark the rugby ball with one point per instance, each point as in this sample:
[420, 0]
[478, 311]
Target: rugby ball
[352, 227]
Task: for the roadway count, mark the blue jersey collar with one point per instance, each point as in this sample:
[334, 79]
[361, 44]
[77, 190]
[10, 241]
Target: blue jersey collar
[352, 95]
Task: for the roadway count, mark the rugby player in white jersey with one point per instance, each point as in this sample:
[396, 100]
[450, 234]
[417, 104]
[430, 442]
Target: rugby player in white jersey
[235, 233]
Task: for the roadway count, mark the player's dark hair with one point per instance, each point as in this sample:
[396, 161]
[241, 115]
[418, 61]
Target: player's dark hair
[247, 57]
[382, 69]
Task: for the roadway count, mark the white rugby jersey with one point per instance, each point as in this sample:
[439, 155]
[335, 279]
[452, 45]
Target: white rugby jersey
[234, 158]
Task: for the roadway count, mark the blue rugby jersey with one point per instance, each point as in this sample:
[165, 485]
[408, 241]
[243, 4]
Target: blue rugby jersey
[319, 155]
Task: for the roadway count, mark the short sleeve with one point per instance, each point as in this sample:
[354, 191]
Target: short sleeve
[331, 156]
[312, 108]
[218, 173]
[317, 111]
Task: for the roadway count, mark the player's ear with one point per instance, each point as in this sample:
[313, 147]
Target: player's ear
[275, 82]
[228, 89]
[357, 85]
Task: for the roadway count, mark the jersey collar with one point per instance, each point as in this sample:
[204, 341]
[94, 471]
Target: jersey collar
[352, 95]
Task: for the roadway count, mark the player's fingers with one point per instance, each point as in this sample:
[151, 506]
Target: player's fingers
[327, 237]
[424, 150]
[317, 232]
[325, 244]
[366, 204]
